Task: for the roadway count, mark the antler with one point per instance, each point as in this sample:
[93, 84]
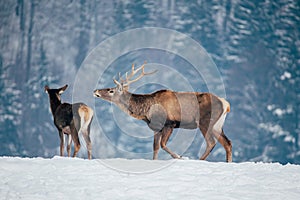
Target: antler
[127, 81]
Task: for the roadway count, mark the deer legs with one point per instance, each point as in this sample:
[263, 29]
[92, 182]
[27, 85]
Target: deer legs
[166, 133]
[72, 134]
[210, 137]
[210, 144]
[87, 139]
[226, 143]
[75, 139]
[67, 131]
[69, 145]
[62, 143]
[156, 144]
[160, 140]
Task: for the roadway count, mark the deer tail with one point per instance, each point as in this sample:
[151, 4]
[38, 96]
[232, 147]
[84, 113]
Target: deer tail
[220, 122]
[86, 116]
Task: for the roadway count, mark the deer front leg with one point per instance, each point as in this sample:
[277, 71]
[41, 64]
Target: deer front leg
[69, 145]
[62, 142]
[166, 133]
[67, 130]
[156, 144]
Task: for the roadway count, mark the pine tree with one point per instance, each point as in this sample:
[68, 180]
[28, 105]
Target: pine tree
[10, 111]
[42, 132]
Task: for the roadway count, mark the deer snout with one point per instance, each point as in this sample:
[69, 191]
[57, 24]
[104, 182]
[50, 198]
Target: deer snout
[97, 93]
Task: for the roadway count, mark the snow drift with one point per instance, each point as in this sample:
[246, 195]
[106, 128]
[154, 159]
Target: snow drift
[74, 178]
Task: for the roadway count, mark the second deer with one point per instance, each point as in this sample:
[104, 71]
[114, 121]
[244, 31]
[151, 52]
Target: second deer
[70, 119]
[165, 110]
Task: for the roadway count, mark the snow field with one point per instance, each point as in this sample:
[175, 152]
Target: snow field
[74, 178]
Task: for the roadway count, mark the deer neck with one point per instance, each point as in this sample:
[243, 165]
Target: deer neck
[135, 105]
[54, 103]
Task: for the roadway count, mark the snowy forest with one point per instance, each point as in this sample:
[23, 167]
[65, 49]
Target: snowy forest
[254, 44]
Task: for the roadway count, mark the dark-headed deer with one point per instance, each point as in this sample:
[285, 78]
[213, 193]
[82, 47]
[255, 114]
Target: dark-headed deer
[165, 110]
[70, 119]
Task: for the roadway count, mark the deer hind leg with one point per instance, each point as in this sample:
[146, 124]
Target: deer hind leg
[210, 143]
[226, 143]
[75, 139]
[86, 136]
[156, 144]
[166, 133]
[86, 117]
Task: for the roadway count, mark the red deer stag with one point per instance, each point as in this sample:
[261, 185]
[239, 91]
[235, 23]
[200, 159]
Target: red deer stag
[165, 110]
[70, 119]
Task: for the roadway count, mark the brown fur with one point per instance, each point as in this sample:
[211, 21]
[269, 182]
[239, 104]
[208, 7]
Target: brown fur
[86, 112]
[165, 110]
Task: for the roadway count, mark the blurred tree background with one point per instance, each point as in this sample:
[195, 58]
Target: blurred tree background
[255, 44]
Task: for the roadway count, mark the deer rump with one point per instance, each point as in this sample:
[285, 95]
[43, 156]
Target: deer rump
[71, 115]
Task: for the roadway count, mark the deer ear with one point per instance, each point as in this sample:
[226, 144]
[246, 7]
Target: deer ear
[120, 87]
[61, 90]
[47, 88]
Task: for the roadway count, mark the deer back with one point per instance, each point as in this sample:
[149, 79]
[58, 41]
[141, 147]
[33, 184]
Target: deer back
[63, 115]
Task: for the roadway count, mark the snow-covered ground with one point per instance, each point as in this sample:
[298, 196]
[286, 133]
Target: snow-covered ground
[69, 178]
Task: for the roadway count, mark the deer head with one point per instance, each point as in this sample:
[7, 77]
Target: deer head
[116, 94]
[54, 94]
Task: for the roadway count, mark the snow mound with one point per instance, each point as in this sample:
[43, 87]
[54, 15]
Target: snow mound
[74, 178]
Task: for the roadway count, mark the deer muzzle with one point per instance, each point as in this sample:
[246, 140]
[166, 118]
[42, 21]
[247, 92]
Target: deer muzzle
[97, 93]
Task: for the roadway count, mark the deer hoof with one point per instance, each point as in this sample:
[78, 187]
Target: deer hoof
[176, 156]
